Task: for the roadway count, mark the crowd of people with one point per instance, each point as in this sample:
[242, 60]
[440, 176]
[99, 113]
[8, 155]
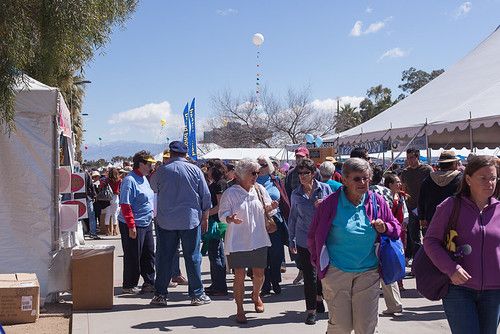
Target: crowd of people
[330, 216]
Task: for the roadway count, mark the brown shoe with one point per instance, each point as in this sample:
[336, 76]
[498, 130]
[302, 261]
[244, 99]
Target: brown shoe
[181, 280]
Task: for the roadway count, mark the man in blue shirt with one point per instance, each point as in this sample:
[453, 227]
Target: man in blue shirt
[182, 210]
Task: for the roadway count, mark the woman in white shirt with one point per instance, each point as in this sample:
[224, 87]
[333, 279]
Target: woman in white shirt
[243, 207]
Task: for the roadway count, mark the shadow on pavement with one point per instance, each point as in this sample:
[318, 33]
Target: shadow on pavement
[200, 322]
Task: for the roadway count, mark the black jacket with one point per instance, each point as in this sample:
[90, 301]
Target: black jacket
[436, 188]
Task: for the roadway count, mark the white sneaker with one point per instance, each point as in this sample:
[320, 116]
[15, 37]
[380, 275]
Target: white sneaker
[201, 300]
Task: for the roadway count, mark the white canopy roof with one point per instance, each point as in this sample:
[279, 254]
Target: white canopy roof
[467, 93]
[240, 153]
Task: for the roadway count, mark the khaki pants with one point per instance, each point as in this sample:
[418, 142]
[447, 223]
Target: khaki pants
[352, 300]
[392, 297]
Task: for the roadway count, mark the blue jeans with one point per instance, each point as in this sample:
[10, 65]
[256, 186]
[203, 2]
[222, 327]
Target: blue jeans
[166, 247]
[275, 255]
[217, 265]
[91, 214]
[472, 311]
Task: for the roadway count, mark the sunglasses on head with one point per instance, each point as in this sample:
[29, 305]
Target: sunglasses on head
[361, 178]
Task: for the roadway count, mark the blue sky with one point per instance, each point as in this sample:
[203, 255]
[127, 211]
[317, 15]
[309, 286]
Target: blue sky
[172, 51]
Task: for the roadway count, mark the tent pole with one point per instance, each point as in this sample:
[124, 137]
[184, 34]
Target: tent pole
[471, 144]
[428, 151]
[406, 147]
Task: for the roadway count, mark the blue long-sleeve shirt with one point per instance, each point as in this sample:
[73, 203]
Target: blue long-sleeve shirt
[302, 211]
[183, 195]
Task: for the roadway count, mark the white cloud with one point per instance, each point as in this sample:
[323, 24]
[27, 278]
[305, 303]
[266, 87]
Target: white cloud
[357, 29]
[374, 27]
[226, 12]
[394, 53]
[463, 10]
[144, 123]
[369, 10]
[331, 104]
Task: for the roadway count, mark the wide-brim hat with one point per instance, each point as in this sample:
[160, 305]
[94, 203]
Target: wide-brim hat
[447, 156]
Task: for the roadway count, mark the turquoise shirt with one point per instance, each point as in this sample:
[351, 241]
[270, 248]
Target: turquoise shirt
[334, 184]
[351, 239]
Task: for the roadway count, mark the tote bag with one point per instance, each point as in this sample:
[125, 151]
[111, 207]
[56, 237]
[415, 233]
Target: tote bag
[390, 253]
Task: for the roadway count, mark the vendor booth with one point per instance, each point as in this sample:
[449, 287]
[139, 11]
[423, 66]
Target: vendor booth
[30, 156]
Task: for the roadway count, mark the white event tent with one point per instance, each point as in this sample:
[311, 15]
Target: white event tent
[460, 108]
[29, 192]
[240, 153]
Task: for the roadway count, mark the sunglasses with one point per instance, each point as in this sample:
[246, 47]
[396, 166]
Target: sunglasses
[254, 173]
[263, 165]
[304, 173]
[359, 179]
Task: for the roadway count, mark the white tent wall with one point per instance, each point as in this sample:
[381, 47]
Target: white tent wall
[465, 97]
[29, 228]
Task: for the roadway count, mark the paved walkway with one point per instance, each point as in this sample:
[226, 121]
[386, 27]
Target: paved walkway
[284, 313]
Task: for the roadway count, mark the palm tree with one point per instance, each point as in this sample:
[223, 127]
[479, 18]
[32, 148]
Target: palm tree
[347, 117]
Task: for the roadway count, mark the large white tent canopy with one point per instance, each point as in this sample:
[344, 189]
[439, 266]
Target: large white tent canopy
[460, 107]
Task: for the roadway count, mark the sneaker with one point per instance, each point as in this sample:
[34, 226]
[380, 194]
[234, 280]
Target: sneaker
[95, 237]
[277, 289]
[265, 293]
[147, 288]
[159, 300]
[131, 291]
[201, 300]
[299, 278]
[311, 319]
[172, 284]
[181, 280]
[215, 293]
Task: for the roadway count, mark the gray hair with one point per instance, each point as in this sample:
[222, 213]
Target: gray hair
[326, 169]
[356, 165]
[244, 166]
[268, 162]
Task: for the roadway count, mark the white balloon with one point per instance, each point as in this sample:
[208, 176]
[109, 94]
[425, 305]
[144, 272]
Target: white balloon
[258, 39]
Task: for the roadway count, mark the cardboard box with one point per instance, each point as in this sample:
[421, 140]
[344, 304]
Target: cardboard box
[92, 277]
[19, 298]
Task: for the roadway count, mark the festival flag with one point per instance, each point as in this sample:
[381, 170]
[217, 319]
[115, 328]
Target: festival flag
[185, 115]
[192, 133]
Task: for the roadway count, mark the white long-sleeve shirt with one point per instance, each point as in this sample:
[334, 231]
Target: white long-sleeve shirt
[251, 234]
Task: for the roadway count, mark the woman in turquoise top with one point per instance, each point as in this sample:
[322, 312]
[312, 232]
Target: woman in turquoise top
[351, 284]
[275, 253]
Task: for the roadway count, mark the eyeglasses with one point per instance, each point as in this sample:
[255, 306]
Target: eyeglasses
[359, 179]
[263, 165]
[254, 173]
[304, 173]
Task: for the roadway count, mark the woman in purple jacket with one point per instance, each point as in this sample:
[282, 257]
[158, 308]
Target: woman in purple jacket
[341, 241]
[472, 304]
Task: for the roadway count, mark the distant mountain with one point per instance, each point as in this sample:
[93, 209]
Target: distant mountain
[118, 148]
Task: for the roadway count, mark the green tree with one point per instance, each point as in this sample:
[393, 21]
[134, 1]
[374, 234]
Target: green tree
[346, 118]
[51, 41]
[414, 79]
[378, 99]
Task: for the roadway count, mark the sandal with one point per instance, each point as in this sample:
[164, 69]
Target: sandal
[241, 318]
[259, 304]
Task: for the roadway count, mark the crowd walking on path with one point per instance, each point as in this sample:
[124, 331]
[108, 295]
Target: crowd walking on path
[334, 218]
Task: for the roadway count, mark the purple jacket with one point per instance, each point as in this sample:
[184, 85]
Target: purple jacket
[479, 230]
[322, 223]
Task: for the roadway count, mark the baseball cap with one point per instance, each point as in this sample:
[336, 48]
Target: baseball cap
[178, 146]
[302, 151]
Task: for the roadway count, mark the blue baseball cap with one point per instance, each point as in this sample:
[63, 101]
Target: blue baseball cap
[178, 146]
